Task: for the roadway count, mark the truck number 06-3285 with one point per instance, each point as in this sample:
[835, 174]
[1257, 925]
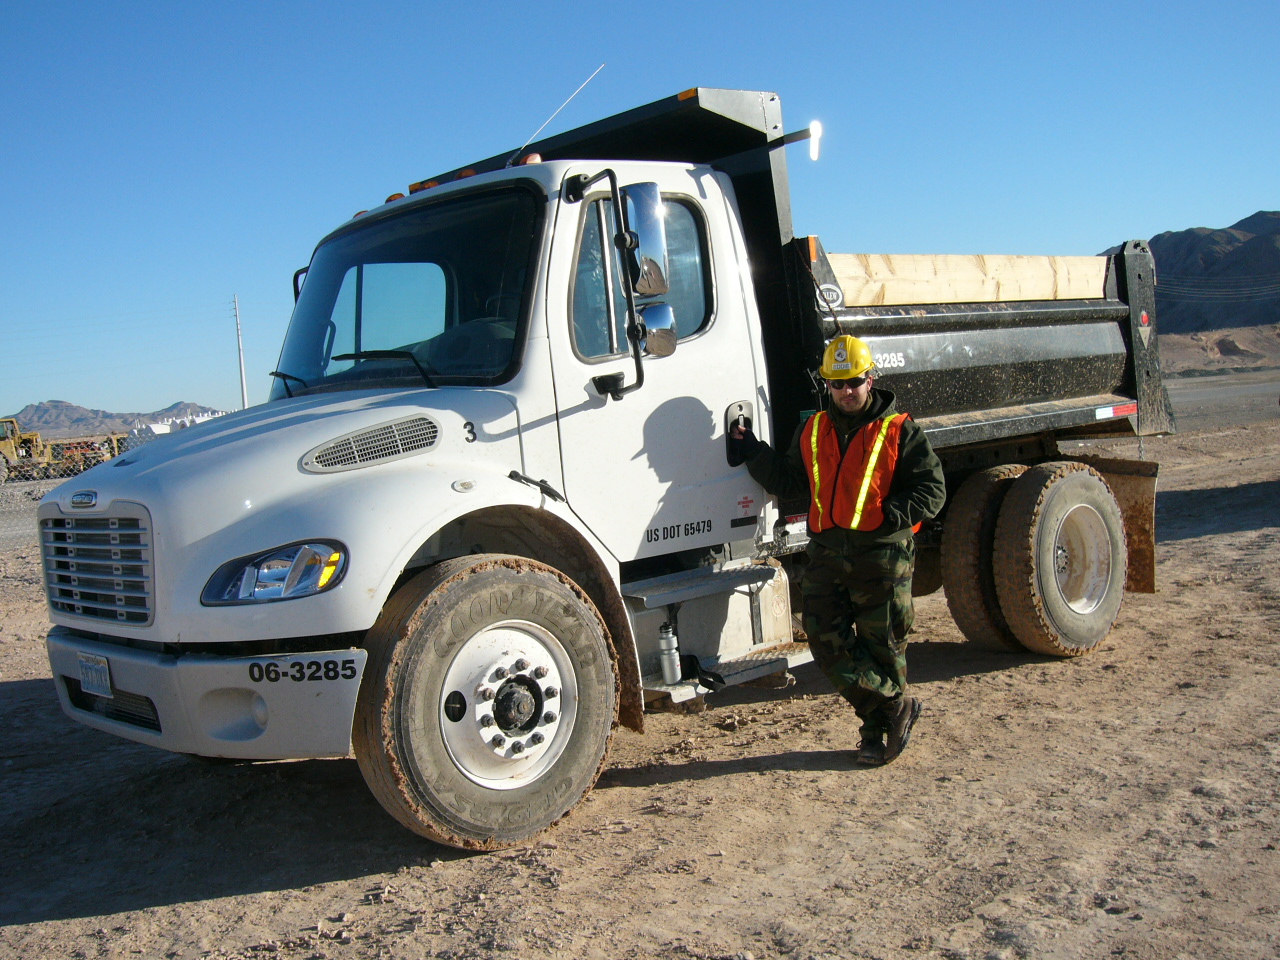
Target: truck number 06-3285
[300, 670]
[887, 360]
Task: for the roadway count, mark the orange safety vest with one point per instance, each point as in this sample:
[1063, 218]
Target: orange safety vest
[849, 491]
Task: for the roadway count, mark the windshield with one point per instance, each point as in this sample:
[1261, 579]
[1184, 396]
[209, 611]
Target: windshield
[443, 288]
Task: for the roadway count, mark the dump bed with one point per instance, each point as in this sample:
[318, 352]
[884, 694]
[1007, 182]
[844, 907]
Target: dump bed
[978, 348]
[984, 348]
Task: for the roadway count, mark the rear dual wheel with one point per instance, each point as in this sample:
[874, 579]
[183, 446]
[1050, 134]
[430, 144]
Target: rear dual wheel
[487, 703]
[1062, 559]
[968, 545]
[1035, 558]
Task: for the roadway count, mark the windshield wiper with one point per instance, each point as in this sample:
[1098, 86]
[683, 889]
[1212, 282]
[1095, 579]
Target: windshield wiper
[285, 378]
[388, 355]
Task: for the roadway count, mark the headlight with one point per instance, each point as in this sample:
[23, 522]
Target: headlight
[286, 573]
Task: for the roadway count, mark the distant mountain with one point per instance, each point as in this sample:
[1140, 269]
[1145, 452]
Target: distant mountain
[1211, 279]
[57, 418]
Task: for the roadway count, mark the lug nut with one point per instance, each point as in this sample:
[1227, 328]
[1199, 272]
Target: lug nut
[549, 717]
[500, 673]
[521, 665]
[498, 741]
[486, 693]
[486, 721]
[539, 672]
[551, 692]
[536, 738]
[517, 746]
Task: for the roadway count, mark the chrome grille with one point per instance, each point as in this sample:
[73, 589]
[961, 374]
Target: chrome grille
[390, 441]
[99, 567]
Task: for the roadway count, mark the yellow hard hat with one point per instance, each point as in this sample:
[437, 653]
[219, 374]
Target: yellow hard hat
[846, 357]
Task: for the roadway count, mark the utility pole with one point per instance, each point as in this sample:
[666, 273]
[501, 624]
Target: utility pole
[244, 387]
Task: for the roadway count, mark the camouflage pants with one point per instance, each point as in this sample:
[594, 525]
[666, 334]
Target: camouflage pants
[857, 612]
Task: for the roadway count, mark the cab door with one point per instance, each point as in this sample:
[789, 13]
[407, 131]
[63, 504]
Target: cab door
[648, 474]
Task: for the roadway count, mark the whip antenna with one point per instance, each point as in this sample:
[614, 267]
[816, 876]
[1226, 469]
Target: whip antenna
[511, 159]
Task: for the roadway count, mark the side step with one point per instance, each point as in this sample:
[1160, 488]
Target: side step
[692, 584]
[739, 670]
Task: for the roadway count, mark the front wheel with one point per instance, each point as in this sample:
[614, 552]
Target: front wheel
[487, 703]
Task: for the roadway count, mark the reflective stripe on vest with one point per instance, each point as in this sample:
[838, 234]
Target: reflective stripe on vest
[850, 494]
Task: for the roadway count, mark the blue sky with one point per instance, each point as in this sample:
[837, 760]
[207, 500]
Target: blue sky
[159, 158]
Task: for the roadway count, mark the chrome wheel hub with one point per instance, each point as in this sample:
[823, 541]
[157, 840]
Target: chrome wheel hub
[508, 704]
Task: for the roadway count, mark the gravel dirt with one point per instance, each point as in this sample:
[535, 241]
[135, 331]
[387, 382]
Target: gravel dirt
[1122, 804]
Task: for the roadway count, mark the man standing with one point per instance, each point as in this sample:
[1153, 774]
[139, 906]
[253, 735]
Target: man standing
[871, 477]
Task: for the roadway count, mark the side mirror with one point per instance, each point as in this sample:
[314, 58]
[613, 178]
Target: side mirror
[660, 330]
[646, 255]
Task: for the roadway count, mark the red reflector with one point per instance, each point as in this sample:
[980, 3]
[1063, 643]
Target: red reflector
[1146, 321]
[1124, 410]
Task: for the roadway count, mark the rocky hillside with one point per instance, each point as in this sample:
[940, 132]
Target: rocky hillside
[57, 418]
[1210, 279]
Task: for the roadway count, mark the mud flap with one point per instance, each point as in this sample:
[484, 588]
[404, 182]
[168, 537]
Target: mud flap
[1133, 483]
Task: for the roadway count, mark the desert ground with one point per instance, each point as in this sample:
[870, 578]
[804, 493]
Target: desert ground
[1123, 804]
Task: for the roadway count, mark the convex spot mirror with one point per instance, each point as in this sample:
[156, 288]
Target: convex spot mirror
[647, 259]
[660, 329]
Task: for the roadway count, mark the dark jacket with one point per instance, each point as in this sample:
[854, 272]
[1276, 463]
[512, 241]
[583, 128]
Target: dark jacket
[917, 492]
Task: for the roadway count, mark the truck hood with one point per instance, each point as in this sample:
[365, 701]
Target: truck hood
[249, 461]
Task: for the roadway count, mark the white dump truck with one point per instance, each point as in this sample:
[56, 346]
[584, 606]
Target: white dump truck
[491, 509]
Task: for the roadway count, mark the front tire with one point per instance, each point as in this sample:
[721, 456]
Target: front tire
[487, 703]
[1060, 559]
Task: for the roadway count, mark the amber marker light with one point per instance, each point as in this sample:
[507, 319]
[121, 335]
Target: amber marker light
[360, 214]
[687, 94]
[330, 568]
[423, 185]
[463, 174]
[394, 196]
[530, 158]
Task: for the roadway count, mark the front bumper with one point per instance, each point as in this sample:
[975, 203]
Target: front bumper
[285, 707]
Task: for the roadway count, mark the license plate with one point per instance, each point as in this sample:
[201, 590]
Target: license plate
[95, 674]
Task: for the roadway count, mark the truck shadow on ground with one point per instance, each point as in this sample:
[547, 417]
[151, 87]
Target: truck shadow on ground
[1186, 514]
[652, 775]
[929, 661]
[95, 826]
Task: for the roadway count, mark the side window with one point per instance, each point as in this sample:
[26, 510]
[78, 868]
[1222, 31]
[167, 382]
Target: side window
[690, 294]
[599, 306]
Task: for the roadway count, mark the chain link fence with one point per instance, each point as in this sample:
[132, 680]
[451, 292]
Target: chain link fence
[30, 467]
[19, 501]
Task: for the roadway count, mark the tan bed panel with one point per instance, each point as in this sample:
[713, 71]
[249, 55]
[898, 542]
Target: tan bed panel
[873, 279]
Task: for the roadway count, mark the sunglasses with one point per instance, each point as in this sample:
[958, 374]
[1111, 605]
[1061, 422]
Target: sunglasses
[853, 383]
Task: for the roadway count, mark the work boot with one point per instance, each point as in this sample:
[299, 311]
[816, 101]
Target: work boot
[902, 717]
[870, 751]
